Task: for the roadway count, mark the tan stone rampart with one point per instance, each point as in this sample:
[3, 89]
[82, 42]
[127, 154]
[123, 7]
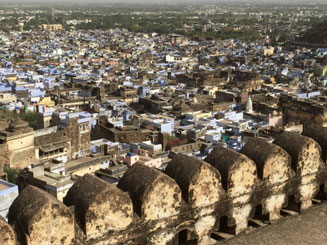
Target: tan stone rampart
[274, 169]
[39, 218]
[306, 162]
[7, 234]
[154, 194]
[192, 200]
[99, 207]
[239, 177]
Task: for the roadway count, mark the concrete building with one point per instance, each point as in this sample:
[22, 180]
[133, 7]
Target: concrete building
[51, 27]
[153, 149]
[54, 183]
[161, 123]
[141, 157]
[44, 116]
[18, 144]
[8, 193]
[21, 26]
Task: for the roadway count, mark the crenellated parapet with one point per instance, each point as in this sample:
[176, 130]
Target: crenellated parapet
[201, 190]
[239, 179]
[154, 194]
[92, 198]
[192, 200]
[307, 164]
[274, 170]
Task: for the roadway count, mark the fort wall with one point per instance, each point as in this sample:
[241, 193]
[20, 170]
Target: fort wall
[193, 200]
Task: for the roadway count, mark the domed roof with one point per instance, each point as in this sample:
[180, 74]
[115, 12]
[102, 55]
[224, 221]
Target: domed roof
[18, 124]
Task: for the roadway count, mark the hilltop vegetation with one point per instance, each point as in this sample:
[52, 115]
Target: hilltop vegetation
[29, 117]
[317, 34]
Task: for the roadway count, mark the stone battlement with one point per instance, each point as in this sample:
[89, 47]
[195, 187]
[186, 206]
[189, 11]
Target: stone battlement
[192, 200]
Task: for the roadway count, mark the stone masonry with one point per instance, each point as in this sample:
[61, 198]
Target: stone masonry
[190, 201]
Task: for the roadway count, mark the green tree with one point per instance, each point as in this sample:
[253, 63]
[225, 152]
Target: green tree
[30, 117]
[12, 174]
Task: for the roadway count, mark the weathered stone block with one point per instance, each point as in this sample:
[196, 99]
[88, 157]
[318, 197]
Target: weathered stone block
[39, 218]
[199, 181]
[239, 178]
[154, 194]
[7, 235]
[319, 134]
[99, 206]
[306, 162]
[201, 186]
[274, 169]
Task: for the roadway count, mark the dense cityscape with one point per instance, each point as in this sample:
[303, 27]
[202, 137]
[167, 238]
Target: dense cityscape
[135, 102]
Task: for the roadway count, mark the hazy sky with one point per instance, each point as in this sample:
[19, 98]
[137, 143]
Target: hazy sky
[166, 1]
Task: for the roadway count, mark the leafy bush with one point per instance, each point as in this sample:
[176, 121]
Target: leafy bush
[30, 117]
[12, 174]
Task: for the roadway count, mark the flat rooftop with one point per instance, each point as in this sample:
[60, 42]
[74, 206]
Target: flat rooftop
[3, 187]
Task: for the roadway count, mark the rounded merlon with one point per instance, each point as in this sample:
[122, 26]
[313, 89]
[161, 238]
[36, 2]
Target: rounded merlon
[199, 181]
[99, 206]
[297, 145]
[268, 158]
[231, 164]
[306, 162]
[39, 218]
[319, 134]
[154, 194]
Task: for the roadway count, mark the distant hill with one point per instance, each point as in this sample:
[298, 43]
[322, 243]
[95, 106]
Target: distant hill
[316, 35]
